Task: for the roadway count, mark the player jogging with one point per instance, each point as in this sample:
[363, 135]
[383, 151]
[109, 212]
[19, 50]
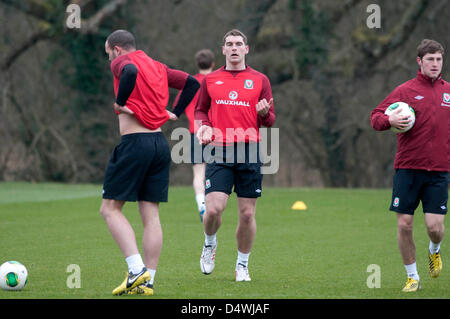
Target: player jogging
[138, 169]
[422, 161]
[238, 100]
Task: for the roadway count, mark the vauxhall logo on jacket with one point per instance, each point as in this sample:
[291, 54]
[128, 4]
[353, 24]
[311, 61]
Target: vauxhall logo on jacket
[233, 95]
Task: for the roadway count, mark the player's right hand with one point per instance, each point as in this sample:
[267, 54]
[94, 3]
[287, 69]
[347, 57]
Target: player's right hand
[399, 121]
[205, 134]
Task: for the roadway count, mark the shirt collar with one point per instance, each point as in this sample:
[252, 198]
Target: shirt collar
[422, 77]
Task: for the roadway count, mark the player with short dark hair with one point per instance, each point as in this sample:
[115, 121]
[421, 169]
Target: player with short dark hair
[234, 101]
[204, 59]
[138, 169]
[235, 33]
[422, 161]
[123, 39]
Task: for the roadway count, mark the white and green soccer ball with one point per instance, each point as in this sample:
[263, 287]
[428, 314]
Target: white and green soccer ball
[406, 110]
[13, 275]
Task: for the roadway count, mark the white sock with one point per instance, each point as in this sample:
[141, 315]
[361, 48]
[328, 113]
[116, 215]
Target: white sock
[152, 274]
[411, 271]
[200, 199]
[135, 263]
[242, 259]
[210, 240]
[434, 248]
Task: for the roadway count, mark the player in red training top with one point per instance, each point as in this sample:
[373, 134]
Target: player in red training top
[234, 101]
[422, 161]
[205, 64]
[138, 169]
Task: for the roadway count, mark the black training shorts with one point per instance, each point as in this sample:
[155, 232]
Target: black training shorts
[138, 169]
[239, 166]
[412, 186]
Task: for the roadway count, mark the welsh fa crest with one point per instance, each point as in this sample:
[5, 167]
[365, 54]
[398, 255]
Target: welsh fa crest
[396, 202]
[446, 97]
[248, 84]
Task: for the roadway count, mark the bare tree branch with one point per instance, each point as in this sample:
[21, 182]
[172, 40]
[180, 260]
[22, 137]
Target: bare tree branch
[16, 53]
[338, 14]
[407, 25]
[375, 47]
[252, 16]
[43, 13]
[92, 24]
[37, 9]
[67, 150]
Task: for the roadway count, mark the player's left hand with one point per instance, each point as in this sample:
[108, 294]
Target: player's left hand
[262, 107]
[122, 109]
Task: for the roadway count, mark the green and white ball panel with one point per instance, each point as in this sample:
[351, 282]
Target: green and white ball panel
[13, 275]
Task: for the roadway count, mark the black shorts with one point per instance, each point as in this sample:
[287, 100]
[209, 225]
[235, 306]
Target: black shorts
[412, 186]
[196, 150]
[238, 166]
[138, 169]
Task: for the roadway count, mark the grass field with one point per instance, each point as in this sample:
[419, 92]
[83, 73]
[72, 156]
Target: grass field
[323, 252]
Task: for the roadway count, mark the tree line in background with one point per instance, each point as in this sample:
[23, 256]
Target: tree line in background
[327, 67]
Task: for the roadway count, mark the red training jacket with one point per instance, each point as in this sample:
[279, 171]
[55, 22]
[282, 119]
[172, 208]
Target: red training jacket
[426, 145]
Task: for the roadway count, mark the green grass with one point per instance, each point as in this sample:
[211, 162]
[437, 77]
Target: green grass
[322, 252]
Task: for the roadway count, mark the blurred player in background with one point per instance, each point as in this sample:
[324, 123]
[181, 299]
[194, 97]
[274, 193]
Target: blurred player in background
[138, 169]
[205, 64]
[422, 161]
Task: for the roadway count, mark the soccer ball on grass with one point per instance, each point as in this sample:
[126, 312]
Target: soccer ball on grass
[13, 275]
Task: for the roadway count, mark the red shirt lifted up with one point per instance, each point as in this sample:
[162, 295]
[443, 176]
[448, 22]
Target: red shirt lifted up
[150, 95]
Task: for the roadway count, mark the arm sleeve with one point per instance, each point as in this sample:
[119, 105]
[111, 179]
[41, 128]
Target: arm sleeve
[126, 84]
[186, 95]
[203, 105]
[379, 120]
[176, 79]
[266, 93]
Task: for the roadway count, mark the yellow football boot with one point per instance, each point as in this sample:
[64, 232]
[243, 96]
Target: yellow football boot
[145, 290]
[435, 264]
[131, 281]
[411, 285]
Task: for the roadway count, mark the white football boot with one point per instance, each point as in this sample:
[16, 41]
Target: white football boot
[242, 273]
[207, 259]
